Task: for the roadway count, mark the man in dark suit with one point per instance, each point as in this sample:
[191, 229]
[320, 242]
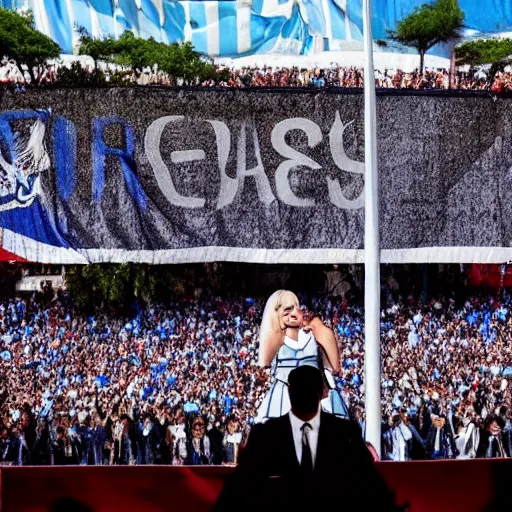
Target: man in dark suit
[307, 459]
[492, 439]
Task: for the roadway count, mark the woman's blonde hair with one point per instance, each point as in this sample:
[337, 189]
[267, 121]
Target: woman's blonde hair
[272, 329]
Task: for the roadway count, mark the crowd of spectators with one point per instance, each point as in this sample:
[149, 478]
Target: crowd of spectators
[334, 76]
[353, 77]
[178, 384]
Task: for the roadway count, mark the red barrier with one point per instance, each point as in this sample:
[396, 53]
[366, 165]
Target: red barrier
[489, 276]
[441, 486]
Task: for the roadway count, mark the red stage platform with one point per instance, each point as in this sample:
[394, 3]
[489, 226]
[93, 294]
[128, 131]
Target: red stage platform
[441, 486]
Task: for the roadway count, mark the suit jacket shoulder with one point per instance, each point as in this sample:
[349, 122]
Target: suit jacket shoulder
[262, 439]
[276, 423]
[349, 429]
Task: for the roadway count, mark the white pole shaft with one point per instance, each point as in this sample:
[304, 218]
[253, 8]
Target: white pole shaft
[371, 244]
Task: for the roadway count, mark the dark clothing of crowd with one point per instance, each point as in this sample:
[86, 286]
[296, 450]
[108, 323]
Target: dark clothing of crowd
[179, 384]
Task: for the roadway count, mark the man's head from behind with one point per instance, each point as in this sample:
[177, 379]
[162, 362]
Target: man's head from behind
[306, 386]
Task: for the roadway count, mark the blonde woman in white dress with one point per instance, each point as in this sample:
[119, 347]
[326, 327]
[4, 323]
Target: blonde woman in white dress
[287, 340]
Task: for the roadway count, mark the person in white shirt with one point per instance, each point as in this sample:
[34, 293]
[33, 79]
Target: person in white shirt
[467, 438]
[299, 460]
[312, 431]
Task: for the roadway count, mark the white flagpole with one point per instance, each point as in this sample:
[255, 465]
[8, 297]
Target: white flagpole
[372, 377]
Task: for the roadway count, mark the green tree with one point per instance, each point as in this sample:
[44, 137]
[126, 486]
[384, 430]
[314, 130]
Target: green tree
[109, 286]
[138, 53]
[428, 25]
[76, 76]
[117, 287]
[179, 61]
[23, 44]
[192, 64]
[98, 49]
[497, 52]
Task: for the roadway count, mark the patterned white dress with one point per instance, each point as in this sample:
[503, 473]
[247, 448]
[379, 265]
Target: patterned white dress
[304, 351]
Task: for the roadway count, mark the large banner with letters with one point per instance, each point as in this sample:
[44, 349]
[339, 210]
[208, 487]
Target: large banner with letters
[167, 176]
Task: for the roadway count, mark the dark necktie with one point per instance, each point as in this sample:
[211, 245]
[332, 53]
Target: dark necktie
[496, 448]
[306, 462]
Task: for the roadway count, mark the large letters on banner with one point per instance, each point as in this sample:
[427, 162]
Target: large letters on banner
[175, 176]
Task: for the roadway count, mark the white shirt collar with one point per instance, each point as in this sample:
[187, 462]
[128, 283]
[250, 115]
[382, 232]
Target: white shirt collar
[302, 341]
[297, 422]
[312, 434]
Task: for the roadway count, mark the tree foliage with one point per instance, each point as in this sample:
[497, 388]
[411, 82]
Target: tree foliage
[97, 49]
[23, 44]
[497, 52]
[118, 287]
[430, 24]
[76, 76]
[136, 52]
[179, 61]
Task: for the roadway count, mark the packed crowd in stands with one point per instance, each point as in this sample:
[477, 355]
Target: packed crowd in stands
[178, 384]
[333, 77]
